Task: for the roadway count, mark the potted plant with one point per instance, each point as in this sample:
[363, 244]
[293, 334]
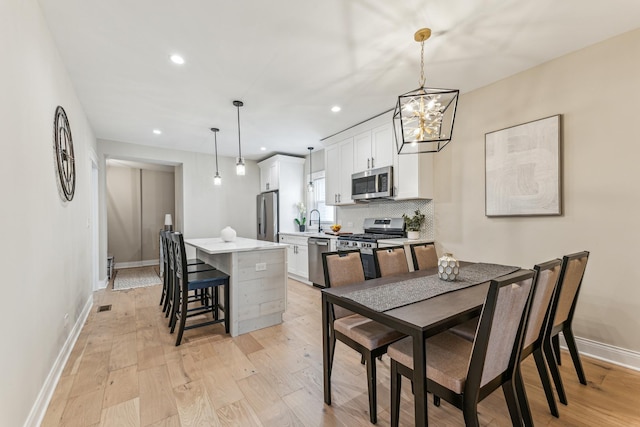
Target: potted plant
[301, 222]
[413, 224]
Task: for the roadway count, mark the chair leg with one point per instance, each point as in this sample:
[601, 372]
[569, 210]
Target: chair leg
[546, 381]
[216, 303]
[575, 356]
[183, 318]
[362, 360]
[227, 309]
[555, 373]
[470, 413]
[523, 402]
[555, 340]
[436, 401]
[509, 390]
[332, 352]
[396, 384]
[372, 386]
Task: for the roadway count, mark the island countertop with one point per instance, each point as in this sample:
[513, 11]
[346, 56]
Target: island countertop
[215, 245]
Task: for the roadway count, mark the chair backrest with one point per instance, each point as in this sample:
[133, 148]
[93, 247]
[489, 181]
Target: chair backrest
[496, 348]
[179, 256]
[390, 261]
[164, 254]
[546, 281]
[571, 274]
[424, 256]
[342, 268]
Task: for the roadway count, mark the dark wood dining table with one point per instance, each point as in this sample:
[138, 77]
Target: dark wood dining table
[420, 320]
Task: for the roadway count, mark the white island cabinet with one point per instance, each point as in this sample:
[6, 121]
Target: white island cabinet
[257, 279]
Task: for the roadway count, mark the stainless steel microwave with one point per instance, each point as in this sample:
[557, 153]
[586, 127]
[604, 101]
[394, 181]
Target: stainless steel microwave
[372, 184]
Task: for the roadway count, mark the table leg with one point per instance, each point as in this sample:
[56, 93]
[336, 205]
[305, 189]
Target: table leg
[420, 380]
[326, 350]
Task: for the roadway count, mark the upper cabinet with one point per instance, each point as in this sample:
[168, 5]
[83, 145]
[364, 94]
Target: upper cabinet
[338, 163]
[413, 176]
[371, 145]
[373, 148]
[269, 174]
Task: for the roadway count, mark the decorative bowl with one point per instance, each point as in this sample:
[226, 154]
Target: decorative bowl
[336, 227]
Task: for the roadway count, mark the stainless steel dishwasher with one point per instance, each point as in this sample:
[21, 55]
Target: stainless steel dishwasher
[317, 246]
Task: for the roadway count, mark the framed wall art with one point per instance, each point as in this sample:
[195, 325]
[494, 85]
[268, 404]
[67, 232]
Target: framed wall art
[523, 171]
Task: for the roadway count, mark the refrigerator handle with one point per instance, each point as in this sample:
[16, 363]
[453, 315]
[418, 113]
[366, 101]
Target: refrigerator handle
[264, 216]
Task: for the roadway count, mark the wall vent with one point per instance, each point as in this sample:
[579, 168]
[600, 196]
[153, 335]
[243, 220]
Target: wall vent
[104, 308]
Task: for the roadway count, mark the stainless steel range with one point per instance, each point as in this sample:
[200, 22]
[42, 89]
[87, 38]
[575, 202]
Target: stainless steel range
[375, 229]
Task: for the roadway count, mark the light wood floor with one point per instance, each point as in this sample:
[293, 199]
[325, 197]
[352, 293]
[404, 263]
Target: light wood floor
[125, 371]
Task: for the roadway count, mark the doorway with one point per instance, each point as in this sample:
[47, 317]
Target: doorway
[139, 195]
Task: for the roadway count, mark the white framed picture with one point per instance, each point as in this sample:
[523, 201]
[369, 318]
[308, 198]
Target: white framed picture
[523, 169]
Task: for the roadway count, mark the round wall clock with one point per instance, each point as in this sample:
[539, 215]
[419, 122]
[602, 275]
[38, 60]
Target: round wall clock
[65, 161]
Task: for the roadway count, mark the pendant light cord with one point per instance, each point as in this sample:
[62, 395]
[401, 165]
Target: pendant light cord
[422, 79]
[215, 135]
[239, 145]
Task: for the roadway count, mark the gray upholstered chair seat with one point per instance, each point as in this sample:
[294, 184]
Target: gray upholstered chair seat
[366, 332]
[448, 358]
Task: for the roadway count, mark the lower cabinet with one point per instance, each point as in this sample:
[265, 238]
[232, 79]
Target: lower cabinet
[297, 255]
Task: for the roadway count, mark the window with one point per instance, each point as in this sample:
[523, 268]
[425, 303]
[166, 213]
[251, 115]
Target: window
[315, 200]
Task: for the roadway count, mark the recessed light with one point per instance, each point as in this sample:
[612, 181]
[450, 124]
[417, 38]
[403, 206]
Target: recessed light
[157, 131]
[336, 108]
[177, 59]
[263, 148]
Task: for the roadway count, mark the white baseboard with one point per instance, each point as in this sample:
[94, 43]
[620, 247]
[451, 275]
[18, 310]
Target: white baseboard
[132, 264]
[101, 284]
[39, 408]
[606, 352]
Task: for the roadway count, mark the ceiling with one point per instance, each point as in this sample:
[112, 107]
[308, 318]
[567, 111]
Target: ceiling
[290, 61]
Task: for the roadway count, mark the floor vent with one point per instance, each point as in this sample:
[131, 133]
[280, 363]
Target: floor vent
[104, 308]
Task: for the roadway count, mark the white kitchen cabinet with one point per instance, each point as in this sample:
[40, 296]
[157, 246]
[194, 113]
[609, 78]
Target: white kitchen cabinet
[269, 174]
[297, 256]
[413, 176]
[373, 148]
[338, 169]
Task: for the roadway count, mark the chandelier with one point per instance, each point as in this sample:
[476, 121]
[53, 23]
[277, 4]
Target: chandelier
[423, 118]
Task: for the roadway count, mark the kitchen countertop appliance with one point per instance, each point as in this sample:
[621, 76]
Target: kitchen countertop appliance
[375, 229]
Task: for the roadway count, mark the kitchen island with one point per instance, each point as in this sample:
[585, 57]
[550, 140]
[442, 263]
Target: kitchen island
[257, 282]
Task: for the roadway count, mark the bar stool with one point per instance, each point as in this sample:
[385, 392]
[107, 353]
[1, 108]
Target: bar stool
[208, 282]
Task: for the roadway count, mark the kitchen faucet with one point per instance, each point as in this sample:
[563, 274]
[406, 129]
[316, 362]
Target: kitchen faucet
[319, 223]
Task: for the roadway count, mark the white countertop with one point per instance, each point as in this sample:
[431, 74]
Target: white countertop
[310, 234]
[404, 241]
[215, 245]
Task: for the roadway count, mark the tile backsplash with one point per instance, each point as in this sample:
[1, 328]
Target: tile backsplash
[351, 217]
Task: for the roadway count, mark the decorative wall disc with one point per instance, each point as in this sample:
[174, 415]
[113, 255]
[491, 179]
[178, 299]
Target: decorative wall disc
[65, 161]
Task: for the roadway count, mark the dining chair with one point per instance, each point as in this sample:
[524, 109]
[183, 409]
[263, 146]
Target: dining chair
[208, 282]
[165, 242]
[562, 311]
[364, 335]
[463, 372]
[424, 256]
[389, 261]
[170, 300]
[547, 275]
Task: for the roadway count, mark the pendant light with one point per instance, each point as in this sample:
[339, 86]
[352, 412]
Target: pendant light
[423, 118]
[240, 170]
[217, 180]
[310, 186]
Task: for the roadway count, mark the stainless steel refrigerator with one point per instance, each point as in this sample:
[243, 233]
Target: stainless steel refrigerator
[267, 204]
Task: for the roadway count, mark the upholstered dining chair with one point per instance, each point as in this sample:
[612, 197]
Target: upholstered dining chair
[562, 311]
[365, 336]
[424, 256]
[208, 282]
[547, 274]
[463, 372]
[389, 261]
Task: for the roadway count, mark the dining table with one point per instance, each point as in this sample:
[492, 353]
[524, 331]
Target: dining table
[419, 319]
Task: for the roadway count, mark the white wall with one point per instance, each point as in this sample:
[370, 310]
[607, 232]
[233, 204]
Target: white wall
[45, 258]
[597, 90]
[202, 209]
